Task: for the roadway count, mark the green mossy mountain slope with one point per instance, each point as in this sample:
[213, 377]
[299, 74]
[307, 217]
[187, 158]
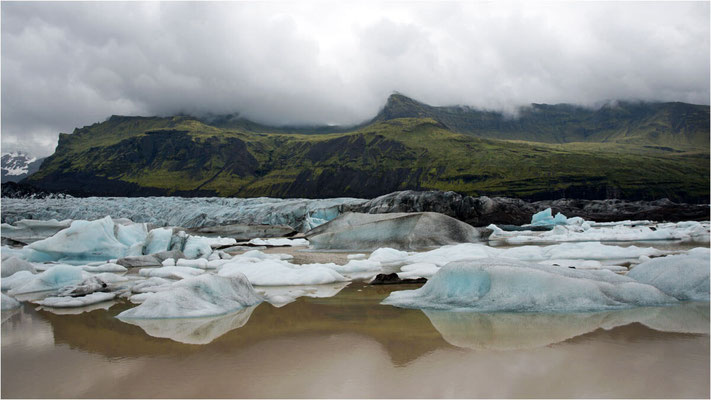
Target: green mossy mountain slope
[134, 156]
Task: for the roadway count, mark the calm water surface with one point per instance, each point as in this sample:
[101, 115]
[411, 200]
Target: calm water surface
[350, 346]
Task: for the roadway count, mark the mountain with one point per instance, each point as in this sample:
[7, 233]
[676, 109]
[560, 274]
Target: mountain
[17, 166]
[182, 155]
[678, 125]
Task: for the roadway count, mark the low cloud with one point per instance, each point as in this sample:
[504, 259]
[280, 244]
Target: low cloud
[66, 65]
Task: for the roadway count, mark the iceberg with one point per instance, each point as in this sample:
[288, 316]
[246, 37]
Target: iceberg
[396, 230]
[197, 247]
[684, 276]
[507, 285]
[80, 301]
[200, 296]
[97, 240]
[8, 303]
[545, 218]
[54, 278]
[281, 273]
[158, 240]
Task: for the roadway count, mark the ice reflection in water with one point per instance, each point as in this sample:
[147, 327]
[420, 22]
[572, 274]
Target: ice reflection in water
[514, 331]
[194, 330]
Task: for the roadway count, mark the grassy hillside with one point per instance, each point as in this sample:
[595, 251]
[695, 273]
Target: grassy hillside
[184, 156]
[677, 125]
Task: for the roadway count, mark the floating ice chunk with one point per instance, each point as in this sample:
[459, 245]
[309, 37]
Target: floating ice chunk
[417, 270]
[281, 273]
[197, 263]
[13, 264]
[8, 303]
[168, 262]
[158, 240]
[171, 272]
[388, 257]
[354, 266]
[106, 267]
[359, 256]
[279, 242]
[193, 330]
[17, 279]
[545, 217]
[200, 296]
[506, 285]
[685, 277]
[53, 278]
[81, 301]
[88, 240]
[197, 247]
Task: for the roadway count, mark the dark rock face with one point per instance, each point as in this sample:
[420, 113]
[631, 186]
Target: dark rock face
[482, 211]
[476, 211]
[393, 279]
[22, 191]
[618, 210]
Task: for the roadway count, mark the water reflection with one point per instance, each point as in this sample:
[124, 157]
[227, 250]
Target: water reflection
[79, 310]
[515, 331]
[194, 330]
[279, 296]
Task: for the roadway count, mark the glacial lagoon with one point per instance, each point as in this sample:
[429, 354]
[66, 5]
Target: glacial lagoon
[568, 320]
[349, 345]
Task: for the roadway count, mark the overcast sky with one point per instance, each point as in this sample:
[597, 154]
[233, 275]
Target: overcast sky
[66, 65]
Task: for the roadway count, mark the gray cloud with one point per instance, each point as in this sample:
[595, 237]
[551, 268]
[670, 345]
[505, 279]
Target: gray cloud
[71, 64]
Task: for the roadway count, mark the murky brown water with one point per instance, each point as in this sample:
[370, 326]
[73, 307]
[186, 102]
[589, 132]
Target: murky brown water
[350, 346]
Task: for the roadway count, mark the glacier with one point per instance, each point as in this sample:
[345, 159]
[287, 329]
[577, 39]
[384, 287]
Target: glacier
[300, 214]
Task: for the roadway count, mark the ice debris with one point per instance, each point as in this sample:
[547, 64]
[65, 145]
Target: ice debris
[170, 272]
[200, 296]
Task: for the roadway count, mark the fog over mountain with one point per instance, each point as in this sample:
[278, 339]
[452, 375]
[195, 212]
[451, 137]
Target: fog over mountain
[72, 64]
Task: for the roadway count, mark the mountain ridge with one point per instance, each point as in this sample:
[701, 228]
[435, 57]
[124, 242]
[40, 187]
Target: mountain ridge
[182, 155]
